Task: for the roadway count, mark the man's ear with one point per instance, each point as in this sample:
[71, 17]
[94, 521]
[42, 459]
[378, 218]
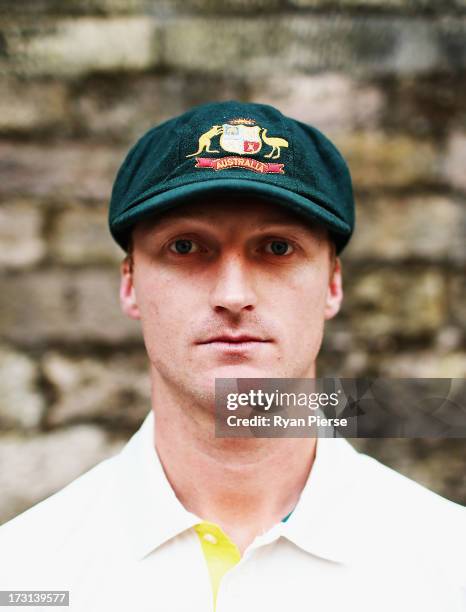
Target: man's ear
[127, 292]
[334, 290]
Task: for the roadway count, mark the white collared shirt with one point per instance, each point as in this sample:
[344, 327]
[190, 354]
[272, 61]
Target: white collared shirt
[361, 538]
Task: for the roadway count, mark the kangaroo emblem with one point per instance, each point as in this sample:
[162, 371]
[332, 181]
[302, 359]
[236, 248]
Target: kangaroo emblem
[275, 143]
[205, 140]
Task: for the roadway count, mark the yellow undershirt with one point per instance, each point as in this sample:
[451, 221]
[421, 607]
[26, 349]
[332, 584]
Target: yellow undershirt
[220, 553]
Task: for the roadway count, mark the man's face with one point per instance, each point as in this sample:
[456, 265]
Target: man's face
[230, 289]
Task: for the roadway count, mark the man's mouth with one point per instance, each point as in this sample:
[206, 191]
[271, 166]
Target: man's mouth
[234, 343]
[233, 339]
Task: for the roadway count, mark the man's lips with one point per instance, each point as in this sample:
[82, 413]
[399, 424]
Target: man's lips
[234, 344]
[232, 339]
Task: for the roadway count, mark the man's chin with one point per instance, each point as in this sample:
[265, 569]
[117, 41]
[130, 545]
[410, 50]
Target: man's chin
[204, 381]
[240, 371]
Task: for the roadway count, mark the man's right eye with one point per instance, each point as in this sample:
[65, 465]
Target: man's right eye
[183, 246]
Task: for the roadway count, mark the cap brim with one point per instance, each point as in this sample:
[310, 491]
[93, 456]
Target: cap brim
[309, 209]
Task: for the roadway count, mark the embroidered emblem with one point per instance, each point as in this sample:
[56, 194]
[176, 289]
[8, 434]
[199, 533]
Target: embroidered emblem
[275, 143]
[243, 137]
[205, 140]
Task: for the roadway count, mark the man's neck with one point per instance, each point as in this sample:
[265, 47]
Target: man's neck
[244, 485]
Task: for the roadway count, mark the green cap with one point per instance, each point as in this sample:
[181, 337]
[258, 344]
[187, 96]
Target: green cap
[236, 148]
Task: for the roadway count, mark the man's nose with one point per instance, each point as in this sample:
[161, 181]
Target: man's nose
[233, 289]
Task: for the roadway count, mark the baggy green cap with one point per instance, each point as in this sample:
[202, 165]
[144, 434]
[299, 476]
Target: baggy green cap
[238, 148]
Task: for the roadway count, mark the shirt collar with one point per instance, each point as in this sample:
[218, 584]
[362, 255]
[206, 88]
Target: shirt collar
[152, 514]
[320, 523]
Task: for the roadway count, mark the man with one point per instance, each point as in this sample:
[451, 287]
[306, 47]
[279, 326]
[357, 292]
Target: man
[233, 217]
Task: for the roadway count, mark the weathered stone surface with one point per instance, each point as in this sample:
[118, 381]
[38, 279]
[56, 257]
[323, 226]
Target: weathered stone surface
[240, 7]
[331, 101]
[21, 242]
[73, 7]
[428, 106]
[116, 390]
[212, 44]
[366, 45]
[454, 165]
[26, 105]
[21, 404]
[424, 364]
[408, 6]
[449, 338]
[34, 468]
[112, 7]
[63, 306]
[72, 47]
[428, 227]
[436, 464]
[457, 298]
[59, 171]
[81, 235]
[98, 308]
[383, 78]
[349, 363]
[381, 160]
[385, 4]
[408, 302]
[105, 106]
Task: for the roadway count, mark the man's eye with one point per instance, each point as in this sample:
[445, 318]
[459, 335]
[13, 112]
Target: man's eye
[279, 247]
[183, 246]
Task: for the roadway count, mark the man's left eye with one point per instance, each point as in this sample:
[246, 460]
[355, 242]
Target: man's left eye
[184, 246]
[279, 247]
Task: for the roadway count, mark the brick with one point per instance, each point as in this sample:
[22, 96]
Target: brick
[332, 102]
[384, 4]
[225, 7]
[454, 166]
[215, 44]
[351, 363]
[59, 306]
[115, 390]
[457, 298]
[394, 228]
[229, 6]
[74, 47]
[81, 236]
[27, 106]
[409, 7]
[424, 364]
[364, 45]
[431, 105]
[449, 338]
[21, 241]
[34, 468]
[105, 106]
[381, 160]
[405, 303]
[59, 171]
[452, 43]
[73, 7]
[368, 45]
[21, 403]
[436, 464]
[406, 6]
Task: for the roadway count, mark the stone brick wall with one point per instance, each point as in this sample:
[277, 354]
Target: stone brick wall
[80, 80]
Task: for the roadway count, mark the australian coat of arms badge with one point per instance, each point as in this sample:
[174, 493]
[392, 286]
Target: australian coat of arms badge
[244, 138]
